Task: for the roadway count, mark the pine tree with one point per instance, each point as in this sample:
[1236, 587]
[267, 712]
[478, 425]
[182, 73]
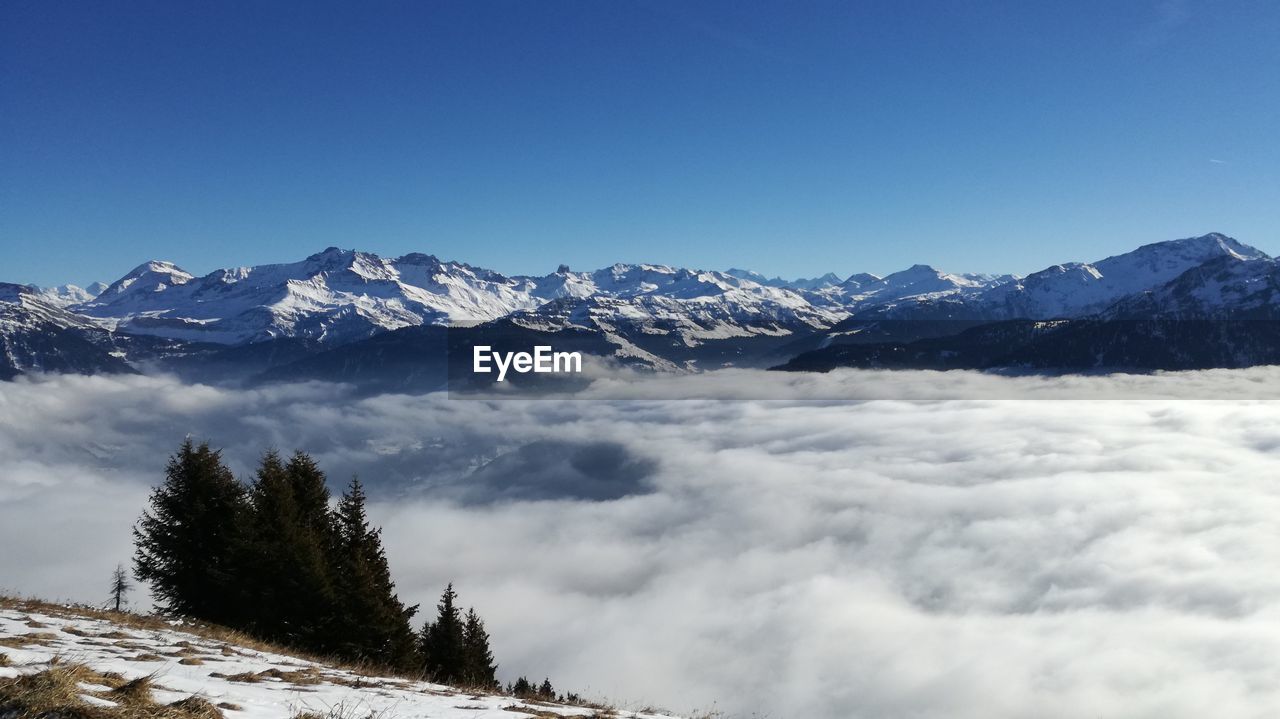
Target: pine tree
[287, 554]
[310, 494]
[442, 642]
[546, 691]
[478, 667]
[120, 587]
[522, 688]
[373, 624]
[184, 542]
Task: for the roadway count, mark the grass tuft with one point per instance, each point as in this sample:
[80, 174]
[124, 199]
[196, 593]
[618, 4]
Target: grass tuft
[135, 692]
[19, 641]
[58, 693]
[194, 707]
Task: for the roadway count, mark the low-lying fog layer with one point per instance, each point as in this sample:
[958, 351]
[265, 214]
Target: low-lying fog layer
[975, 558]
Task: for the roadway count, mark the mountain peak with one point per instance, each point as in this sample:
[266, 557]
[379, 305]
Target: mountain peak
[157, 266]
[913, 272]
[330, 254]
[1205, 247]
[418, 258]
[150, 276]
[862, 278]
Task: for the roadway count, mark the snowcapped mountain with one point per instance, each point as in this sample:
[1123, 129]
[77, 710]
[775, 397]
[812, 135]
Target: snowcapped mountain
[338, 296]
[829, 279]
[335, 295]
[145, 279]
[37, 335]
[1227, 287]
[67, 295]
[1078, 289]
[900, 292]
[916, 283]
[692, 320]
[661, 315]
[25, 305]
[657, 315]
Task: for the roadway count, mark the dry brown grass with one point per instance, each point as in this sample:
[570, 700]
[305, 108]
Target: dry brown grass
[18, 641]
[137, 691]
[46, 691]
[194, 707]
[134, 645]
[228, 638]
[301, 677]
[58, 692]
[53, 692]
[540, 714]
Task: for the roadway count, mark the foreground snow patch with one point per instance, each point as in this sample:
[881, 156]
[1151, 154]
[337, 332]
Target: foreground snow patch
[245, 683]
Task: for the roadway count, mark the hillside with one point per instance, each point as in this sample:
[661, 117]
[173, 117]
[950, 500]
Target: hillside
[66, 661]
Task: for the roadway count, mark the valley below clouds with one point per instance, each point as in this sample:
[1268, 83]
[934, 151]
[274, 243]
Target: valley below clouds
[945, 550]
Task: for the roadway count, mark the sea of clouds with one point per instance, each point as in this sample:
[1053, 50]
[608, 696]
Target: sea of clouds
[776, 558]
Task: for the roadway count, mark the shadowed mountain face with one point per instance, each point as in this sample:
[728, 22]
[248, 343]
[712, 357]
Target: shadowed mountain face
[1067, 346]
[549, 470]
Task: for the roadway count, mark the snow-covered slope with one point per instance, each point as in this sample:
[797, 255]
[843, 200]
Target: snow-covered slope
[38, 335]
[243, 682]
[67, 295]
[1226, 287]
[690, 305]
[1077, 289]
[342, 295]
[335, 295]
[142, 281]
[29, 304]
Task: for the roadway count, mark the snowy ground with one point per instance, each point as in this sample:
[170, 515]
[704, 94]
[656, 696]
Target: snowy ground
[258, 684]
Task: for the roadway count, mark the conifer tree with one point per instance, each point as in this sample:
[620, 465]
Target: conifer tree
[184, 541]
[522, 687]
[546, 691]
[310, 494]
[287, 554]
[120, 587]
[373, 623]
[478, 666]
[442, 641]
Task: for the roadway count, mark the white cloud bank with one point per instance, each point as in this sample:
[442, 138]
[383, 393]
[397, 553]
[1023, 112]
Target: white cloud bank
[976, 558]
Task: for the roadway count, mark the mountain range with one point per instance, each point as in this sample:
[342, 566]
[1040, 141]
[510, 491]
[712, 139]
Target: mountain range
[356, 316]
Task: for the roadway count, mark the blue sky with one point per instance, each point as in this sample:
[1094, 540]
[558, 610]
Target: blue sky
[792, 138]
